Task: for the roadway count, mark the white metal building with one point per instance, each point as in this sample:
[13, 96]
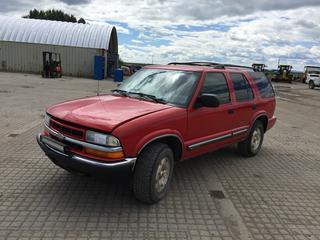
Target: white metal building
[22, 42]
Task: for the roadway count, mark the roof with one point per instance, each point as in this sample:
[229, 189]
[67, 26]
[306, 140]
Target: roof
[55, 33]
[312, 67]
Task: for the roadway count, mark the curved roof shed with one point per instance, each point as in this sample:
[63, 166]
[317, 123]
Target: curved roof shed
[37, 31]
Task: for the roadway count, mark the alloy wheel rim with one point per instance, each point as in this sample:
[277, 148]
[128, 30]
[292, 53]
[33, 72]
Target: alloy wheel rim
[256, 139]
[162, 174]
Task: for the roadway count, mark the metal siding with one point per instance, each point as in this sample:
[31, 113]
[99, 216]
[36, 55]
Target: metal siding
[25, 57]
[55, 33]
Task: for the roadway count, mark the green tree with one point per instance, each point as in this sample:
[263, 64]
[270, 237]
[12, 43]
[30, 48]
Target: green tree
[81, 20]
[53, 15]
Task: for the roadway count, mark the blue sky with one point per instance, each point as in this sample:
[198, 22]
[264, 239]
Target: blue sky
[227, 31]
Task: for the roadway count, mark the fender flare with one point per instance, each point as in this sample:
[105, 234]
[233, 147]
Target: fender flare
[260, 114]
[158, 135]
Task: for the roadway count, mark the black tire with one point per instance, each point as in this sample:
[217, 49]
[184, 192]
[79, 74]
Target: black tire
[311, 84]
[245, 147]
[145, 173]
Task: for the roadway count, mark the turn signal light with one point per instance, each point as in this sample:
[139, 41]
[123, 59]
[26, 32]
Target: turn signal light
[102, 154]
[45, 131]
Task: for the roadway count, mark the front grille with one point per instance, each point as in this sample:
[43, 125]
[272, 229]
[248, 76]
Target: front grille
[67, 130]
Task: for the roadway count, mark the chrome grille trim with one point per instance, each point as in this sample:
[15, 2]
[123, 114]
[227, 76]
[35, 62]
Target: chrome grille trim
[61, 137]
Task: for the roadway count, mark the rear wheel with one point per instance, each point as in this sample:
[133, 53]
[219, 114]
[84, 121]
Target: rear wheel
[153, 173]
[311, 84]
[252, 144]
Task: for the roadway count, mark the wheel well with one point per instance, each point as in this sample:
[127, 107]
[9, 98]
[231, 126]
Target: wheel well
[173, 142]
[264, 120]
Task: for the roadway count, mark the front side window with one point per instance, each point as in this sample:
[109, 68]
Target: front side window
[216, 83]
[174, 87]
[242, 88]
[263, 84]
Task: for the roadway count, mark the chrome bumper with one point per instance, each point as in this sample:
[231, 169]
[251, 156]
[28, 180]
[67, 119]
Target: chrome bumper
[78, 163]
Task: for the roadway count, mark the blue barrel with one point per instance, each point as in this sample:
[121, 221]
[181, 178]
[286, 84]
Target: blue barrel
[118, 75]
[99, 67]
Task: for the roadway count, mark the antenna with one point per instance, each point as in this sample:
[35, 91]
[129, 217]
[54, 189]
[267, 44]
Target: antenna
[98, 89]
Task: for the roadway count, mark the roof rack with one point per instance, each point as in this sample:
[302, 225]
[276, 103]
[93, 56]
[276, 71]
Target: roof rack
[206, 64]
[236, 66]
[210, 64]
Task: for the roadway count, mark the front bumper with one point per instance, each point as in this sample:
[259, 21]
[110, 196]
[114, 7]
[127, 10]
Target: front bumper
[70, 161]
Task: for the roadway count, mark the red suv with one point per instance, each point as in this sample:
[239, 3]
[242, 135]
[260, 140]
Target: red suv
[159, 116]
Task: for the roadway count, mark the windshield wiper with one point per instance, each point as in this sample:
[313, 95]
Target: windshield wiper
[141, 95]
[149, 97]
[119, 91]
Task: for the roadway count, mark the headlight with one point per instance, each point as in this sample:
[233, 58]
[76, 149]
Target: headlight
[102, 139]
[47, 119]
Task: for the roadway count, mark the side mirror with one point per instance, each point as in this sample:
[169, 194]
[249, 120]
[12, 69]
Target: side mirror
[208, 100]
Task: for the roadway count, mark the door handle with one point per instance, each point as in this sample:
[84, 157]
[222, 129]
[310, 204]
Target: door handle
[231, 111]
[254, 106]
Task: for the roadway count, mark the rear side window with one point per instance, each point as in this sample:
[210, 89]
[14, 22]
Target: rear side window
[263, 84]
[241, 87]
[216, 83]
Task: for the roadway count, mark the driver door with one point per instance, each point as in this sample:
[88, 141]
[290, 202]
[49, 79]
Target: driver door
[210, 128]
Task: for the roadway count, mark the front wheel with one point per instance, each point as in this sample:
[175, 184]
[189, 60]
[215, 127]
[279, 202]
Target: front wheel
[252, 144]
[311, 84]
[153, 173]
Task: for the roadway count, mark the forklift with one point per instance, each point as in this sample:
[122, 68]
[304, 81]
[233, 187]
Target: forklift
[283, 74]
[258, 67]
[51, 65]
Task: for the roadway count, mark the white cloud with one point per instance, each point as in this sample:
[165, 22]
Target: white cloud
[315, 52]
[120, 29]
[267, 37]
[137, 41]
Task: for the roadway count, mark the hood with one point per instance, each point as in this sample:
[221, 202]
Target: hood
[104, 112]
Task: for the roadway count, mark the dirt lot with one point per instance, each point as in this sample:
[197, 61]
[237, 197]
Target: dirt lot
[275, 195]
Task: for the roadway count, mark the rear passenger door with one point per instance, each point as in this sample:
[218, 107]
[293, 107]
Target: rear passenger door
[244, 105]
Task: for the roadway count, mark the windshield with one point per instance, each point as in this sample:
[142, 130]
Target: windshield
[175, 87]
[314, 72]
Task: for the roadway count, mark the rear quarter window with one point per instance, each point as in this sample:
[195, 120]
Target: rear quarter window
[263, 84]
